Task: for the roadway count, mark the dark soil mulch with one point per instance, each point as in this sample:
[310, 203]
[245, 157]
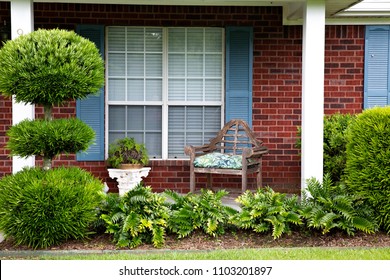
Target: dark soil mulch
[231, 240]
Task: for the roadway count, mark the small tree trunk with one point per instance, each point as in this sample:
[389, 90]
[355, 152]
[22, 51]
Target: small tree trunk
[48, 109]
[47, 163]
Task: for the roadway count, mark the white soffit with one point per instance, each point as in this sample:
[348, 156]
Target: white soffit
[368, 8]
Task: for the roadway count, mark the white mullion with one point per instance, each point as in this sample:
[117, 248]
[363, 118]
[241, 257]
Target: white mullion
[126, 82]
[185, 64]
[195, 103]
[144, 125]
[164, 125]
[126, 76]
[185, 125]
[204, 64]
[144, 29]
[203, 121]
[222, 78]
[136, 103]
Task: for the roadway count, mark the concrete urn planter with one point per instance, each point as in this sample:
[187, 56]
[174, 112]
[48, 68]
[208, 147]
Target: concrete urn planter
[128, 178]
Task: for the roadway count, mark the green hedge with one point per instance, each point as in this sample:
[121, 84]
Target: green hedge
[44, 208]
[368, 161]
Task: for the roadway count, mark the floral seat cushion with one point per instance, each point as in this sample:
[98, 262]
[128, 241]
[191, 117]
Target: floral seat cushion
[219, 160]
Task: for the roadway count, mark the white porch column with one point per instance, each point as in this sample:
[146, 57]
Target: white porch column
[22, 22]
[313, 64]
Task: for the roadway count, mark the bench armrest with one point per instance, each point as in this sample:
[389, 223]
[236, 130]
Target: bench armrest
[193, 150]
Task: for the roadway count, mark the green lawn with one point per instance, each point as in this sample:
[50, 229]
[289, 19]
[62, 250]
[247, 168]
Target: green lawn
[318, 253]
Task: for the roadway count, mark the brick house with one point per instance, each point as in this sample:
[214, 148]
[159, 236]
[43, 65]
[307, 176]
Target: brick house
[176, 73]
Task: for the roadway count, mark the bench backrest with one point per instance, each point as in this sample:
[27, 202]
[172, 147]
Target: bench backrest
[234, 137]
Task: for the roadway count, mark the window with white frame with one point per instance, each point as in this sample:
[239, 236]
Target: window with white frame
[165, 86]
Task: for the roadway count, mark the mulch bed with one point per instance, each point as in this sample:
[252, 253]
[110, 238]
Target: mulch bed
[231, 240]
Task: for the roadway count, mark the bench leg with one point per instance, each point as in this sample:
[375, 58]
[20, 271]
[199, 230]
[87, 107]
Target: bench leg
[209, 180]
[192, 180]
[259, 180]
[244, 181]
[259, 177]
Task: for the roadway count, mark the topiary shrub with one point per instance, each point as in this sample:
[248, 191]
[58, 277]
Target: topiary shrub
[49, 138]
[368, 161]
[48, 67]
[203, 211]
[44, 208]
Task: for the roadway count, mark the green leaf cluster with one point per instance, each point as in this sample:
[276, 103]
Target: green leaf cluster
[127, 151]
[326, 207]
[49, 138]
[203, 211]
[335, 144]
[44, 208]
[368, 161]
[140, 216]
[49, 67]
[268, 211]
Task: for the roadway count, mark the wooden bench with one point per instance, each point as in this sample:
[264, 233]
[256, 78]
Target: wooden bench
[235, 138]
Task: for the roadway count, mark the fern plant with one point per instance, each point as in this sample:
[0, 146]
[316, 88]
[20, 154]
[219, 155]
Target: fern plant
[328, 206]
[266, 211]
[140, 216]
[203, 211]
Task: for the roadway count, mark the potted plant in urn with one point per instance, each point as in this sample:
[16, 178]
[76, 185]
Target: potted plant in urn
[126, 153]
[126, 159]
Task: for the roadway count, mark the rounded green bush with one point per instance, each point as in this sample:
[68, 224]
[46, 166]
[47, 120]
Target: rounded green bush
[368, 161]
[44, 208]
[49, 138]
[48, 67]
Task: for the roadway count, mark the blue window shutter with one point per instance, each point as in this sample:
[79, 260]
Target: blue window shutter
[91, 109]
[376, 67]
[239, 61]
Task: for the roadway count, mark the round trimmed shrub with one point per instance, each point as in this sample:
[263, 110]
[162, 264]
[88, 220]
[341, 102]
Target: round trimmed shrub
[368, 161]
[48, 67]
[44, 208]
[49, 138]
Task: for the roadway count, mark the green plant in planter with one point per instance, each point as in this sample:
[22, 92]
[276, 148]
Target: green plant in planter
[127, 151]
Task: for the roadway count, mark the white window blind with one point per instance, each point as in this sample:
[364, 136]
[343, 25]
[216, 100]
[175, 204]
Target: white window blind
[165, 86]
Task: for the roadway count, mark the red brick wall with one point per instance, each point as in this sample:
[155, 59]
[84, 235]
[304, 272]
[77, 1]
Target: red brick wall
[344, 65]
[276, 79]
[5, 123]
